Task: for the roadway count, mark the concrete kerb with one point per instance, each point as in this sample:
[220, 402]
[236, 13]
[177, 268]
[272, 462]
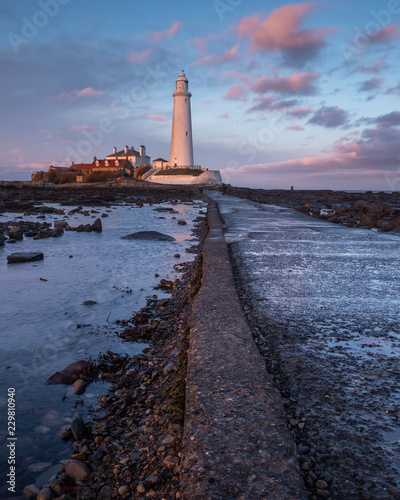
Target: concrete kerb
[236, 444]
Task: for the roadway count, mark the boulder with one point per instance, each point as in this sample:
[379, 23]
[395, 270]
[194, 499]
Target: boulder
[60, 223]
[77, 470]
[15, 232]
[78, 427]
[340, 210]
[367, 221]
[148, 235]
[18, 257]
[45, 494]
[70, 373]
[31, 491]
[79, 386]
[96, 226]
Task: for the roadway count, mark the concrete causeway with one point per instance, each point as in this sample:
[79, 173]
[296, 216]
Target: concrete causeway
[236, 442]
[323, 302]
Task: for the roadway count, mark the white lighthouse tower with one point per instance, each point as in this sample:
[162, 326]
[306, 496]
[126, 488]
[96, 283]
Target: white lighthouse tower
[181, 138]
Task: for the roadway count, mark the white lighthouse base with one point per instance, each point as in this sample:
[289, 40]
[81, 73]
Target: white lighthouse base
[208, 177]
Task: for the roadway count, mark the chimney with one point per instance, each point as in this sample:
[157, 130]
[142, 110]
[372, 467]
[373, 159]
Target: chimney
[114, 150]
[143, 155]
[126, 149]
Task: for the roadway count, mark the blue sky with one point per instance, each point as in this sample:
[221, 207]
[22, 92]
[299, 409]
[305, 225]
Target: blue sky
[302, 93]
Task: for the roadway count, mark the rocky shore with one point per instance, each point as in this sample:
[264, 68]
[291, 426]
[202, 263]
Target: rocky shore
[133, 449]
[367, 210]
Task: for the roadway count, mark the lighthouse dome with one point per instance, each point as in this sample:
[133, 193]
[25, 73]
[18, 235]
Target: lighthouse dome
[182, 77]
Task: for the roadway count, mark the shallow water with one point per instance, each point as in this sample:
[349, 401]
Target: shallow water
[45, 326]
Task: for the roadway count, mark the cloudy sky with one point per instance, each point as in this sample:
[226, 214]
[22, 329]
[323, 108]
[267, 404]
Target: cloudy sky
[302, 93]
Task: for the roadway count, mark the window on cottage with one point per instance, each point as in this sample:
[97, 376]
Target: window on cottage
[187, 133]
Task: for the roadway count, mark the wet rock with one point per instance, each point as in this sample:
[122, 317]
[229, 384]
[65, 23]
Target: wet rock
[39, 467]
[367, 221]
[148, 235]
[20, 257]
[70, 373]
[78, 427]
[31, 491]
[65, 433]
[45, 494]
[97, 226]
[60, 224]
[79, 386]
[182, 222]
[76, 470]
[15, 232]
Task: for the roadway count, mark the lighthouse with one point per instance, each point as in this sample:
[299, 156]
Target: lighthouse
[181, 137]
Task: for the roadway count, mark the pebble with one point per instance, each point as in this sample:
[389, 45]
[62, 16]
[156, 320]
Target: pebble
[31, 491]
[169, 368]
[79, 386]
[123, 490]
[141, 488]
[45, 494]
[321, 484]
[168, 440]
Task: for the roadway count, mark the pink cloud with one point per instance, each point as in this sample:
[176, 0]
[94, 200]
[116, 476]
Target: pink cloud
[386, 35]
[168, 33]
[224, 116]
[207, 101]
[300, 112]
[88, 92]
[235, 93]
[81, 128]
[282, 32]
[158, 118]
[139, 57]
[230, 55]
[298, 83]
[295, 128]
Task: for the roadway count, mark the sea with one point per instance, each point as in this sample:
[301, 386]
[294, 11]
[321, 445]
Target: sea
[46, 325]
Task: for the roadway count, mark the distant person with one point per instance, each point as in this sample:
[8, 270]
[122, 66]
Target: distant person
[223, 188]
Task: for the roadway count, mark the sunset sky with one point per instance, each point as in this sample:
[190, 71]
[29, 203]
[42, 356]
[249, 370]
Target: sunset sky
[303, 93]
